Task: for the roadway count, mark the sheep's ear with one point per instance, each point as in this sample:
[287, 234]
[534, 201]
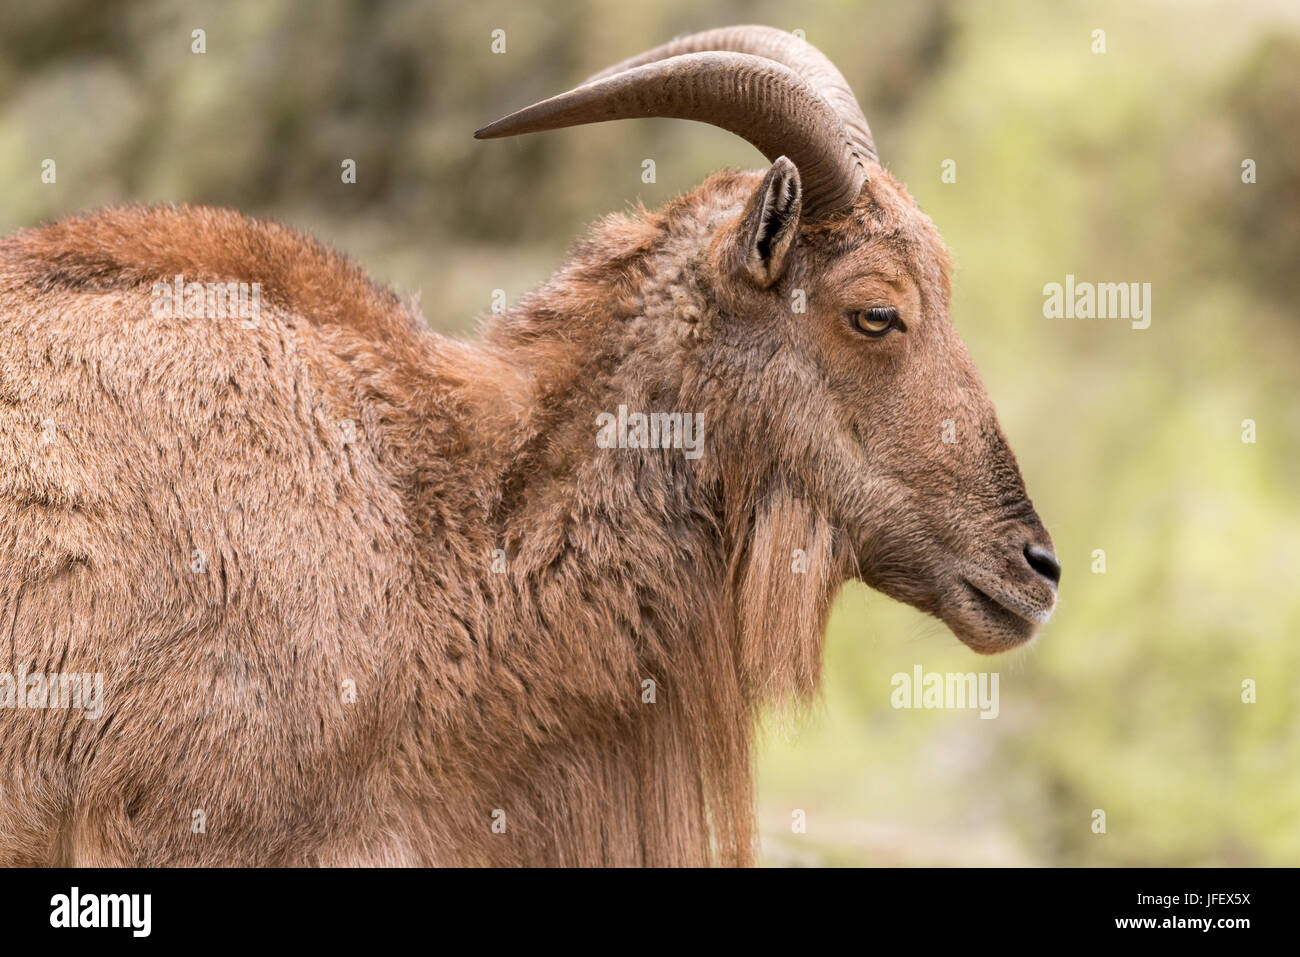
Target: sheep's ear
[770, 224]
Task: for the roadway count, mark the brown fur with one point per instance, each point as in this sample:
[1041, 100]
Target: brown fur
[371, 561]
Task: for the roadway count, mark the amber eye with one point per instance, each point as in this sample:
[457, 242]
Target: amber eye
[876, 321]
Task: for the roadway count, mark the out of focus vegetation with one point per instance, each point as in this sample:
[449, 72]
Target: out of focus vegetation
[1123, 166]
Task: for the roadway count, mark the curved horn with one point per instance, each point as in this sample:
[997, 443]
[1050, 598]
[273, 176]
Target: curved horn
[755, 97]
[786, 48]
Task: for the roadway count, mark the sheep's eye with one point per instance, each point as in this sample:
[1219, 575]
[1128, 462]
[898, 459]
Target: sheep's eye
[876, 321]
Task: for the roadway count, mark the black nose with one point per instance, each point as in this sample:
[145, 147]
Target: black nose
[1044, 562]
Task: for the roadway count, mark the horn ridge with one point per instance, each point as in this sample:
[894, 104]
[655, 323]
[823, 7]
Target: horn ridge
[759, 99]
[786, 49]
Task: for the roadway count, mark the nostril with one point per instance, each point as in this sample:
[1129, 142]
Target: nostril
[1043, 562]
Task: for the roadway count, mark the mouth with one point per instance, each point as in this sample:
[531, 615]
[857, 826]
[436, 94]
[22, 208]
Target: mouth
[989, 616]
[989, 605]
[999, 601]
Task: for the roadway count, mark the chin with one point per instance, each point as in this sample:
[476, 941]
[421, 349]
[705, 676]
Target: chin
[989, 622]
[986, 640]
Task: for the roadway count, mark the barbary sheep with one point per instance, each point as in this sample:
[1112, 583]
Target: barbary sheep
[358, 593]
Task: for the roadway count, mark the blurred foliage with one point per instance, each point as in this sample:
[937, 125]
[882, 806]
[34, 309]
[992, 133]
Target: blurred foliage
[1122, 166]
[1262, 102]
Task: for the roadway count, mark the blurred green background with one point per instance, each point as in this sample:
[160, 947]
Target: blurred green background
[1123, 166]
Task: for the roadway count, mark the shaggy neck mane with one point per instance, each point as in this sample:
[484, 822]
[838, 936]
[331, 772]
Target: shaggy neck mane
[610, 648]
